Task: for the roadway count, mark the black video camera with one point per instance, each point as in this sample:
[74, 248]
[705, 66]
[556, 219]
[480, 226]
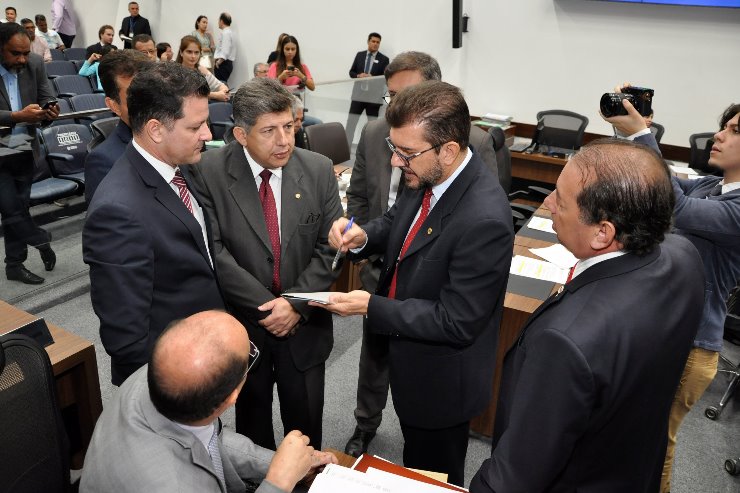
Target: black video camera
[640, 97]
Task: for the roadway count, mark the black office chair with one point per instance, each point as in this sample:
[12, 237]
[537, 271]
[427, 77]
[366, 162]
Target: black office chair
[330, 140]
[700, 146]
[65, 147]
[503, 157]
[657, 130]
[55, 68]
[34, 443]
[75, 53]
[732, 335]
[220, 118]
[559, 130]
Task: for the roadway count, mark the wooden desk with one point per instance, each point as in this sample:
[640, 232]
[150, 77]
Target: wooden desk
[76, 372]
[536, 167]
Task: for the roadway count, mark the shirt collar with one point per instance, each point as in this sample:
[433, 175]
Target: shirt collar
[439, 189]
[165, 170]
[584, 264]
[729, 187]
[4, 71]
[257, 168]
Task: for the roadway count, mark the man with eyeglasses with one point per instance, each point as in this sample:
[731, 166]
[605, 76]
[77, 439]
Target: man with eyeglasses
[144, 43]
[372, 191]
[447, 247]
[162, 430]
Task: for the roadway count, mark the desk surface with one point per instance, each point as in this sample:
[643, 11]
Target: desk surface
[536, 167]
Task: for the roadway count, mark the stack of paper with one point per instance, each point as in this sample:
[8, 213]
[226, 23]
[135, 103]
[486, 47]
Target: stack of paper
[495, 118]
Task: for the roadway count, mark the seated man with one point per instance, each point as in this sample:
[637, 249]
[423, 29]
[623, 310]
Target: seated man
[161, 431]
[145, 44]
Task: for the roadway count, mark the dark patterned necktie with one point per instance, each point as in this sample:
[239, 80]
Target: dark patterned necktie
[425, 206]
[179, 182]
[273, 228]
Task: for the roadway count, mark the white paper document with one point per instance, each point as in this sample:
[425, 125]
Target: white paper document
[556, 254]
[400, 484]
[319, 296]
[537, 269]
[541, 224]
[682, 169]
[338, 479]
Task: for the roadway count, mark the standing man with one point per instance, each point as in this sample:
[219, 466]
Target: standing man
[447, 246]
[373, 189]
[587, 388]
[38, 44]
[116, 71]
[225, 50]
[51, 37]
[105, 36]
[367, 64]
[132, 25]
[10, 15]
[145, 44]
[64, 21]
[146, 238]
[271, 207]
[24, 92]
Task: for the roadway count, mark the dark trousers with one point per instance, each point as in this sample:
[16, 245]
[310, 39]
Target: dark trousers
[19, 230]
[372, 382]
[301, 395]
[67, 40]
[437, 450]
[223, 71]
[355, 110]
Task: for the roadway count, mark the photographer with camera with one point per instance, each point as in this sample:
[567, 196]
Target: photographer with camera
[707, 212]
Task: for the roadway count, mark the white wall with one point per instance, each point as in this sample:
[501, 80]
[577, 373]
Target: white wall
[518, 58]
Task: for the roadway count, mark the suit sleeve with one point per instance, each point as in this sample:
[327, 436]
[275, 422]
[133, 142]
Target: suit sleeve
[483, 144]
[550, 408]
[479, 266]
[250, 460]
[117, 247]
[96, 167]
[358, 202]
[649, 140]
[147, 29]
[717, 221]
[353, 70]
[123, 30]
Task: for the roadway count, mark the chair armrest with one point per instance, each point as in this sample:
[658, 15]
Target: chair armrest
[66, 95]
[60, 156]
[539, 190]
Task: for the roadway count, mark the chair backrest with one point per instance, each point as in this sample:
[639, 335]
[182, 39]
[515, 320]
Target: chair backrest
[700, 146]
[104, 126]
[56, 68]
[75, 53]
[219, 115]
[57, 55]
[72, 85]
[657, 130]
[560, 128]
[71, 140]
[330, 140]
[36, 451]
[503, 157]
[64, 108]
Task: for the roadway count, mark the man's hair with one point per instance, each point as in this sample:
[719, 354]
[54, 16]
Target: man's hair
[158, 92]
[629, 185]
[438, 107]
[414, 60]
[728, 115]
[122, 63]
[141, 38]
[40, 17]
[9, 30]
[26, 20]
[373, 35]
[102, 29]
[259, 96]
[188, 405]
[11, 8]
[133, 3]
[225, 18]
[107, 49]
[257, 66]
[297, 104]
[162, 47]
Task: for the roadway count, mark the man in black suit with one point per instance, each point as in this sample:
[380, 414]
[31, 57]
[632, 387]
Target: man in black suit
[24, 89]
[145, 237]
[447, 244]
[271, 207]
[105, 37]
[587, 388]
[367, 63]
[133, 25]
[116, 71]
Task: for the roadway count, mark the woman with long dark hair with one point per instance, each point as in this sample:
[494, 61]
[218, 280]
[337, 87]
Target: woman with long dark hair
[288, 68]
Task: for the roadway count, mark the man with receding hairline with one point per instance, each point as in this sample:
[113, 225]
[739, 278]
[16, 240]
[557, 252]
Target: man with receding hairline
[166, 427]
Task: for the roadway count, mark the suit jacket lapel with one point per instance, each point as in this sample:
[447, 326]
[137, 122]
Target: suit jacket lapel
[293, 197]
[4, 94]
[406, 207]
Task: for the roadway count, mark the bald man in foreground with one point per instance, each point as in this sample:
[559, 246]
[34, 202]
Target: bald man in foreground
[161, 431]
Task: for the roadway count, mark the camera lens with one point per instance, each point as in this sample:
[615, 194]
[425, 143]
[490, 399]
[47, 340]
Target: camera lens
[611, 103]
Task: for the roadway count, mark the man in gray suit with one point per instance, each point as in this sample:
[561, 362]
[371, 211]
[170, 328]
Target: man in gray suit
[271, 207]
[373, 189]
[23, 93]
[161, 431]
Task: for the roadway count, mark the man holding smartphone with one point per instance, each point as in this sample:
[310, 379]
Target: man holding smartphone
[24, 94]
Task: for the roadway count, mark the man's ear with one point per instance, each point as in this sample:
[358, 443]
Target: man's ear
[113, 105]
[155, 130]
[240, 135]
[605, 237]
[448, 152]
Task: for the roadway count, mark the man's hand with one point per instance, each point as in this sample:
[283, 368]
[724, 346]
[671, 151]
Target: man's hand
[293, 459]
[52, 112]
[628, 124]
[345, 304]
[32, 113]
[282, 319]
[363, 75]
[354, 238]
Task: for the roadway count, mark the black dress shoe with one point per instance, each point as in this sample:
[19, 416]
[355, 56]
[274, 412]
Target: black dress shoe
[20, 273]
[49, 257]
[357, 445]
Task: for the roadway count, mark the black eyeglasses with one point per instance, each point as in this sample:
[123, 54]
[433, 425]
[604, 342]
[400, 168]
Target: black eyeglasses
[406, 159]
[254, 353]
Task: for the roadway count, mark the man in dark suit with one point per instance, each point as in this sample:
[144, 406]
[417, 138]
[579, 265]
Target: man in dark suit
[447, 244]
[373, 189]
[24, 90]
[116, 71]
[105, 37]
[366, 94]
[145, 237]
[133, 25]
[587, 388]
[271, 207]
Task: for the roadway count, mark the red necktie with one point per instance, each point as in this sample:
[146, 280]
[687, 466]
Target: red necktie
[570, 273]
[425, 205]
[179, 182]
[273, 228]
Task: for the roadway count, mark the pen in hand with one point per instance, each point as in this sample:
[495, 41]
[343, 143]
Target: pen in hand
[339, 250]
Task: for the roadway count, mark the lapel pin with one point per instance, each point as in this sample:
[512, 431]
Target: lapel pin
[560, 290]
[429, 231]
[298, 195]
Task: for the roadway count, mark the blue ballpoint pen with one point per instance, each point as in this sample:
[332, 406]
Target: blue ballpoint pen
[339, 251]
